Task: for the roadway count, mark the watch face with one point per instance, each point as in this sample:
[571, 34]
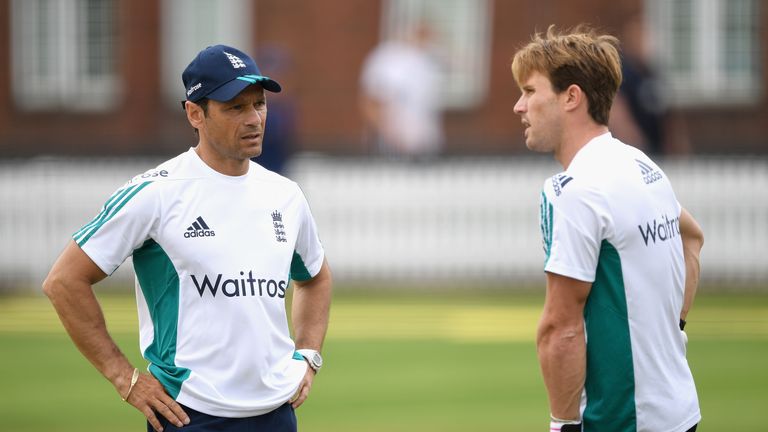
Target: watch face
[317, 360]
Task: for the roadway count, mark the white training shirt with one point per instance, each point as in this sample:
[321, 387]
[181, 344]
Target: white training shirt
[213, 255]
[406, 81]
[612, 219]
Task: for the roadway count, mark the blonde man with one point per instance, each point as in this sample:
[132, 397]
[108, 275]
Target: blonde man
[621, 253]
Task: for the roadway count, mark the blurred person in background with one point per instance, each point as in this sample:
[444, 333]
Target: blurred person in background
[622, 255]
[400, 96]
[640, 114]
[215, 240]
[280, 136]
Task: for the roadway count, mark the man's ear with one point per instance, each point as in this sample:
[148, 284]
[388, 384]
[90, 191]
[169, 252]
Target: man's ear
[573, 97]
[195, 114]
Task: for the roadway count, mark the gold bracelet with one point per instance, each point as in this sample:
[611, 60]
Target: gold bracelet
[134, 379]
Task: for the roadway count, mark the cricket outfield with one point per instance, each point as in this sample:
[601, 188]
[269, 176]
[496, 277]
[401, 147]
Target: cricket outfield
[427, 361]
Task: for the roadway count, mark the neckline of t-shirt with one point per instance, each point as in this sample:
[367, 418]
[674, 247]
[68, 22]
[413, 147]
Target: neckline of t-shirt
[213, 173]
[605, 137]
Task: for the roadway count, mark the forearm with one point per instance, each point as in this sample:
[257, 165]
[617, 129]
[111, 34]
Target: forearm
[311, 310]
[83, 320]
[693, 240]
[692, 272]
[562, 356]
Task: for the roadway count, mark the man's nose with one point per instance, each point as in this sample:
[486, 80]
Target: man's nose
[520, 106]
[255, 115]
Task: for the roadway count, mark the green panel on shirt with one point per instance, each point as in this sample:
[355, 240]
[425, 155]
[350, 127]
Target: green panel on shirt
[299, 271]
[610, 381]
[160, 285]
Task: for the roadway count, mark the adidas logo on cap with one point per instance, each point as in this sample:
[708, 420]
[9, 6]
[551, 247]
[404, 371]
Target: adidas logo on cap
[199, 229]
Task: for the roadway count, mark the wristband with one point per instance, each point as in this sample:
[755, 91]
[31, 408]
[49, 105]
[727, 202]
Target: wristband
[682, 324]
[568, 427]
[561, 425]
[134, 379]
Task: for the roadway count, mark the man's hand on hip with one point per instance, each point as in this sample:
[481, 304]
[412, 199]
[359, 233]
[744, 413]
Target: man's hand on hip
[304, 387]
[150, 397]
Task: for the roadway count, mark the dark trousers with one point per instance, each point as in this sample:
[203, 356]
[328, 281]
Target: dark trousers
[578, 428]
[283, 419]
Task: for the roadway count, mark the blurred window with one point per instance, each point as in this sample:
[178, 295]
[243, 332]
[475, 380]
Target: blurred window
[189, 26]
[64, 54]
[462, 30]
[708, 50]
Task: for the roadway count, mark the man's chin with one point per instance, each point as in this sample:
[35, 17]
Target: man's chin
[530, 145]
[253, 152]
[537, 146]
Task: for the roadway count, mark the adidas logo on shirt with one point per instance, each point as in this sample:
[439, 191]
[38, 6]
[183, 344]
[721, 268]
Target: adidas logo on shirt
[559, 181]
[199, 229]
[650, 175]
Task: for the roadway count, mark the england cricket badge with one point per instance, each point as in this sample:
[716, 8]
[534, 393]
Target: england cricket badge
[277, 224]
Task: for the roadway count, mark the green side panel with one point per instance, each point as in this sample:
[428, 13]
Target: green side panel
[159, 283]
[610, 381]
[299, 271]
[546, 214]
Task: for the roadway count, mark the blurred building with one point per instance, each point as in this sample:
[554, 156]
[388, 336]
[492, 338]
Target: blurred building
[102, 77]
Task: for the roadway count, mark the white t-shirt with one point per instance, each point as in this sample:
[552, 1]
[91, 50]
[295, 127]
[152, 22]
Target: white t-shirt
[612, 219]
[407, 82]
[213, 256]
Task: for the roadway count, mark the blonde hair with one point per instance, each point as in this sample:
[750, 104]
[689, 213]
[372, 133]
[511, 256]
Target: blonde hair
[581, 57]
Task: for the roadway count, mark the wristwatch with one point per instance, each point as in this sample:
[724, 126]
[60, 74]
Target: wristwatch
[312, 357]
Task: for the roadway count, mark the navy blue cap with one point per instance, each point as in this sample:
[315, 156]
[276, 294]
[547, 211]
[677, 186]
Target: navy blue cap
[220, 73]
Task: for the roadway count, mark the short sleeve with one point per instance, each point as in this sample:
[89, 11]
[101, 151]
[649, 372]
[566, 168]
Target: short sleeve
[122, 226]
[573, 225]
[308, 252]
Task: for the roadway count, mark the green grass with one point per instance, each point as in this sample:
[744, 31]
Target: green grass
[426, 361]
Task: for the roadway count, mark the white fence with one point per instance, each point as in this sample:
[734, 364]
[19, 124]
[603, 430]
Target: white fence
[455, 220]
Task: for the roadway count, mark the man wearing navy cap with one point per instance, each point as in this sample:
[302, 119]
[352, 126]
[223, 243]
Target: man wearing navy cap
[215, 240]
